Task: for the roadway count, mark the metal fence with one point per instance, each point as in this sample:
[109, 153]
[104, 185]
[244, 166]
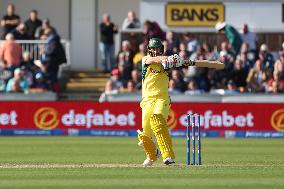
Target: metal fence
[36, 47]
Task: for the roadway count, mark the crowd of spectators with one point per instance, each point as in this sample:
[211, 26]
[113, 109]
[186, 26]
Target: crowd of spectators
[249, 66]
[18, 71]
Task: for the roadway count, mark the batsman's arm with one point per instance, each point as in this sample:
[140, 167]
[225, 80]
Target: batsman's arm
[174, 61]
[168, 62]
[154, 60]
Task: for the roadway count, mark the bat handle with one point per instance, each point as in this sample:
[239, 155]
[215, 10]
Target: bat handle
[188, 62]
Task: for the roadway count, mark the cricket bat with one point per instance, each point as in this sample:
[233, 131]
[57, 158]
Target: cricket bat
[204, 63]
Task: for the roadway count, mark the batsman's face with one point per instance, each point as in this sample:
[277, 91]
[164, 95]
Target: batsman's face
[155, 52]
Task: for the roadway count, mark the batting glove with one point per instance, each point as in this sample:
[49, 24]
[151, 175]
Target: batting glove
[172, 61]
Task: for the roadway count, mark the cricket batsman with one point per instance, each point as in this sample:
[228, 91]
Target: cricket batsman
[156, 103]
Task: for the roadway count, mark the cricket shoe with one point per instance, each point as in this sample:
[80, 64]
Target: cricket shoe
[149, 162]
[169, 161]
[140, 143]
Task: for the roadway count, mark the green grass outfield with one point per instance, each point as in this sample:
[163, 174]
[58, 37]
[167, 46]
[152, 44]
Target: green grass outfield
[97, 162]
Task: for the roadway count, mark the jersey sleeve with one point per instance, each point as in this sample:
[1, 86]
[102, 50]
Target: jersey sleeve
[144, 67]
[144, 58]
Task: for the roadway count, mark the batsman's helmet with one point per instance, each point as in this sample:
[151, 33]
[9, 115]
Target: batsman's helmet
[155, 43]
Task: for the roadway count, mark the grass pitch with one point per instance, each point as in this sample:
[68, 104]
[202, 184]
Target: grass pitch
[97, 162]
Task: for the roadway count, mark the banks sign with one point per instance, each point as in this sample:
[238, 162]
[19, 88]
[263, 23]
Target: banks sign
[194, 14]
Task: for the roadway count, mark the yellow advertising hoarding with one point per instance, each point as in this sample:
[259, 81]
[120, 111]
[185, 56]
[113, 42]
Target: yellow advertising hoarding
[194, 14]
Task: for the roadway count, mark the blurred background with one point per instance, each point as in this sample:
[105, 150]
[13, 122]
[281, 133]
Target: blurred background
[66, 66]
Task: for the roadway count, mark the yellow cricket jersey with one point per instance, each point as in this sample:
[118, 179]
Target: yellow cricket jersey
[155, 80]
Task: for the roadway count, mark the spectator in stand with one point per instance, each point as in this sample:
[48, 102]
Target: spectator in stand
[131, 21]
[199, 52]
[207, 51]
[275, 88]
[137, 60]
[239, 74]
[124, 67]
[281, 57]
[257, 77]
[167, 51]
[27, 75]
[192, 88]
[44, 29]
[114, 85]
[32, 24]
[246, 57]
[10, 52]
[9, 21]
[151, 30]
[136, 79]
[172, 88]
[183, 48]
[17, 83]
[192, 43]
[5, 75]
[202, 74]
[279, 67]
[226, 48]
[126, 58]
[227, 60]
[245, 47]
[15, 87]
[178, 80]
[20, 32]
[40, 84]
[188, 72]
[28, 67]
[231, 88]
[128, 53]
[232, 35]
[27, 62]
[107, 30]
[53, 56]
[266, 57]
[183, 55]
[130, 88]
[281, 51]
[227, 57]
[219, 78]
[249, 37]
[173, 42]
[275, 84]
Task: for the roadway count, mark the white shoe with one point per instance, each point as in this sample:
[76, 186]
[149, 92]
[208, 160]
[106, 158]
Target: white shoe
[140, 143]
[148, 162]
[169, 161]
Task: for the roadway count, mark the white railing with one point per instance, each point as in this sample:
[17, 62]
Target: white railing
[35, 47]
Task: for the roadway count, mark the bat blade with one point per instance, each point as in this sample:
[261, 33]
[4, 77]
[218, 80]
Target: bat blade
[204, 64]
[209, 64]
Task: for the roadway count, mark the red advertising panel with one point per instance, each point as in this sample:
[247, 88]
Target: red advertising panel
[127, 116]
